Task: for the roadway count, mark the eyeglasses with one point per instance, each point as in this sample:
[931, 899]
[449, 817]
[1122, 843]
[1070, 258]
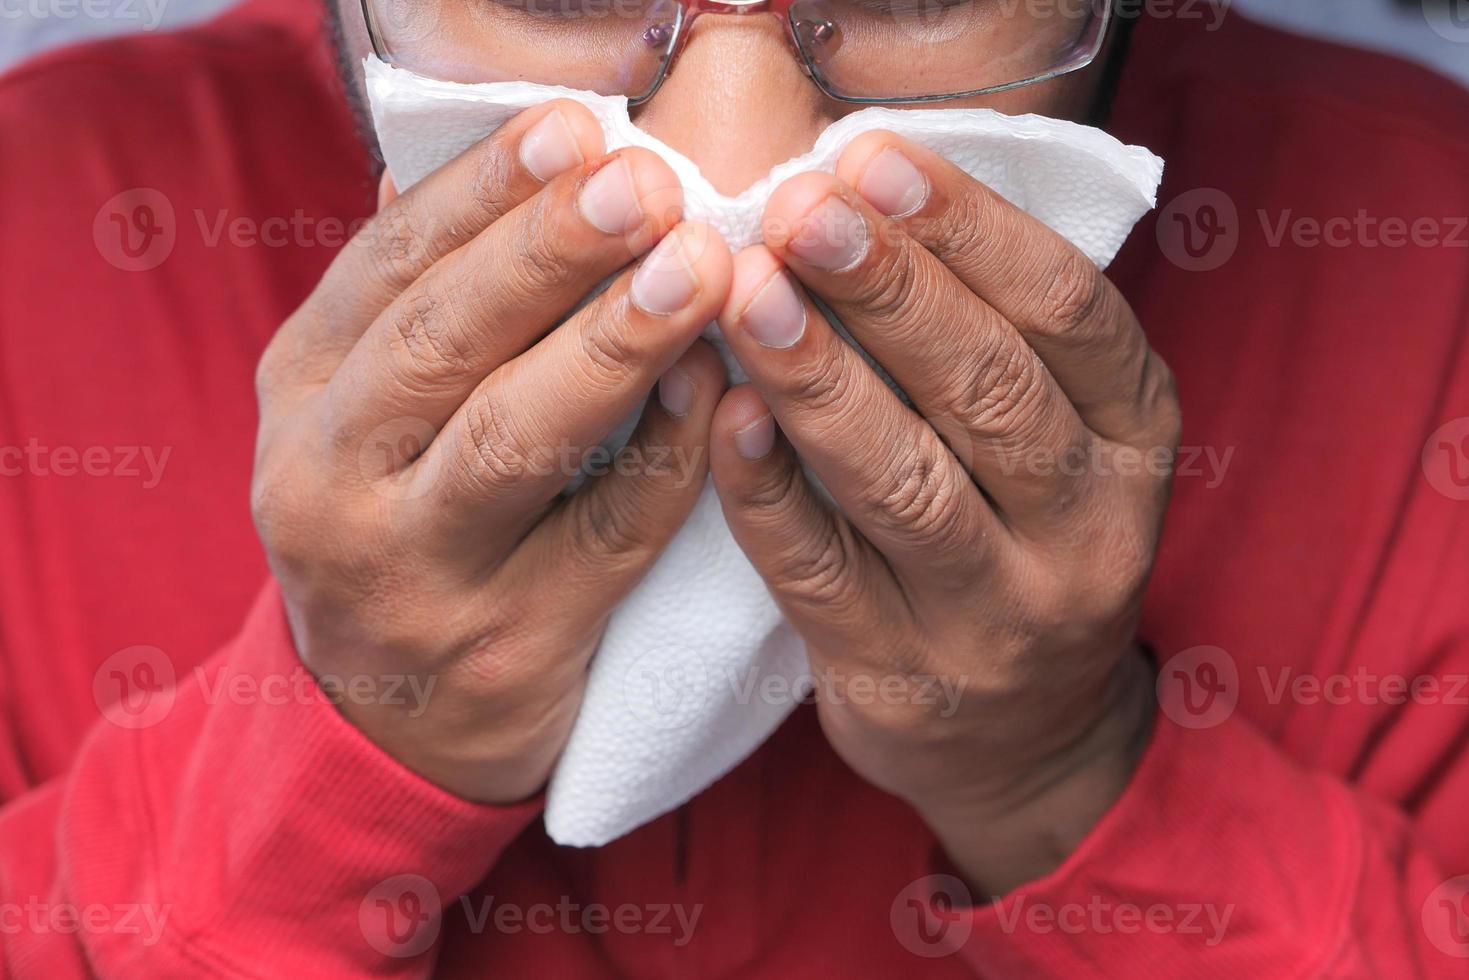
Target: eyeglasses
[866, 51]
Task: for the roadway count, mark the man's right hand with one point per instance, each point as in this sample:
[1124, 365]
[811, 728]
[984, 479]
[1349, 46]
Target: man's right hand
[422, 412]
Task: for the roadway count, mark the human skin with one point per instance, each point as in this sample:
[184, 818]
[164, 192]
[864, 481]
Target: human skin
[456, 558]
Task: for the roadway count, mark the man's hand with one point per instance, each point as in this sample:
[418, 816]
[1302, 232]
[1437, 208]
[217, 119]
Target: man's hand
[997, 534]
[422, 412]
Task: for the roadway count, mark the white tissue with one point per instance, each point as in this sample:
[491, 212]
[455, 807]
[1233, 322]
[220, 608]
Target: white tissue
[697, 666]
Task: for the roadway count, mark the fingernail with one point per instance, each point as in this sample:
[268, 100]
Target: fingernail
[665, 281]
[549, 148]
[893, 185]
[756, 440]
[676, 392]
[833, 236]
[609, 201]
[776, 317]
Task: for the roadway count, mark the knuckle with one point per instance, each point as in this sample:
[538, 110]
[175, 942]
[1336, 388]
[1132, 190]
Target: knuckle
[268, 371]
[1089, 578]
[819, 575]
[893, 286]
[1072, 298]
[907, 658]
[1160, 396]
[493, 173]
[394, 244]
[957, 229]
[270, 507]
[496, 627]
[769, 500]
[999, 390]
[429, 333]
[923, 497]
[603, 531]
[610, 348]
[969, 216]
[540, 265]
[1169, 425]
[489, 661]
[492, 452]
[284, 520]
[1114, 584]
[1052, 611]
[821, 384]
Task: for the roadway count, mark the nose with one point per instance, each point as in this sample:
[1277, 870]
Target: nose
[737, 101]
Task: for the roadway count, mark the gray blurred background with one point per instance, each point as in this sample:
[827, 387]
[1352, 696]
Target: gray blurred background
[1432, 32]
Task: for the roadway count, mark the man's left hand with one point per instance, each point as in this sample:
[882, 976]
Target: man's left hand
[995, 535]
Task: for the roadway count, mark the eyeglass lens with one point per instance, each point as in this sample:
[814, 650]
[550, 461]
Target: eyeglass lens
[857, 48]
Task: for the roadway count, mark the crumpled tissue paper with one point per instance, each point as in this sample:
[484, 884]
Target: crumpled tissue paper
[697, 666]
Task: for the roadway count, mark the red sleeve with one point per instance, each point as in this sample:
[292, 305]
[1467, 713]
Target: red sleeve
[1223, 858]
[246, 834]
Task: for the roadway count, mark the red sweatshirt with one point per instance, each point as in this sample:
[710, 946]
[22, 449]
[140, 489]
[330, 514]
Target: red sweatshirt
[180, 799]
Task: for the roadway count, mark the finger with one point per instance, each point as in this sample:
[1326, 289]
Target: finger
[598, 542]
[830, 582]
[496, 295]
[1058, 299]
[887, 471]
[520, 437]
[414, 230]
[971, 376]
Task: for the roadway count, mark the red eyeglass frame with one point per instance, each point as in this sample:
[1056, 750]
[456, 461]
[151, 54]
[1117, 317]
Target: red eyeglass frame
[690, 10]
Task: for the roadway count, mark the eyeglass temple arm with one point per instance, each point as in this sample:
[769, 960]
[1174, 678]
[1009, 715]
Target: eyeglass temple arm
[374, 36]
